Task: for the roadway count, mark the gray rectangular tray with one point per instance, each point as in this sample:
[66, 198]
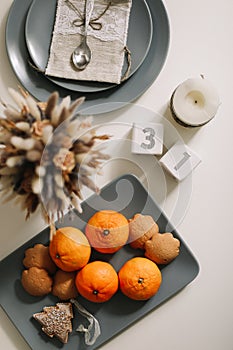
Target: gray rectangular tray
[124, 194]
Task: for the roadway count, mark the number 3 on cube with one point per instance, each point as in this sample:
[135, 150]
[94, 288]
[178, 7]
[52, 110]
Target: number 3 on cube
[147, 138]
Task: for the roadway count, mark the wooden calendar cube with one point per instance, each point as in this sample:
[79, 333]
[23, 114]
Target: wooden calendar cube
[180, 161]
[147, 138]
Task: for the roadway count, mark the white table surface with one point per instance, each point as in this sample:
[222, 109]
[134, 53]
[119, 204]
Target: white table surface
[201, 315]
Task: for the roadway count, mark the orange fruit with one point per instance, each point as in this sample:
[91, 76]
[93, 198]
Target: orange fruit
[69, 249]
[107, 231]
[97, 281]
[139, 278]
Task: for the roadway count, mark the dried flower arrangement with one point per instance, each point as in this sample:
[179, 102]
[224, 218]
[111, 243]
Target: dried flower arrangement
[46, 154]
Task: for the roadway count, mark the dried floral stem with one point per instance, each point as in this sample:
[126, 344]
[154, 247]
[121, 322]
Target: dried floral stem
[47, 154]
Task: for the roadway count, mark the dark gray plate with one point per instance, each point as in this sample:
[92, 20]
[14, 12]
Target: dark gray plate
[39, 29]
[127, 195]
[96, 102]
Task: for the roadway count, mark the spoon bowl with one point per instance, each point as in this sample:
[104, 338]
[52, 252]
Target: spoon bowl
[82, 55]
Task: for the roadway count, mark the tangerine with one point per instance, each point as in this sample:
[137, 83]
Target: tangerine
[107, 231]
[139, 278]
[97, 281]
[69, 249]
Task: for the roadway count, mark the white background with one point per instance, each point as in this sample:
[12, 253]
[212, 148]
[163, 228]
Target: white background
[201, 316]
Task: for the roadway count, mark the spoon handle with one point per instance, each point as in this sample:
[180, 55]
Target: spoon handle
[89, 6]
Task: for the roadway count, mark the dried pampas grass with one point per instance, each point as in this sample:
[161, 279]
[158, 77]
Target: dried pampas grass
[47, 154]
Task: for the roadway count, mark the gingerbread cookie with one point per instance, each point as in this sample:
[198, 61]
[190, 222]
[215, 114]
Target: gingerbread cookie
[141, 229]
[64, 285]
[162, 248]
[39, 256]
[56, 320]
[36, 282]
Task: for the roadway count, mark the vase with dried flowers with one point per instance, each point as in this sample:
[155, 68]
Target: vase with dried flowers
[47, 154]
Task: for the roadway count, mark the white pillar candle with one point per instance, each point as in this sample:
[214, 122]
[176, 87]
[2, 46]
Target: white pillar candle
[194, 102]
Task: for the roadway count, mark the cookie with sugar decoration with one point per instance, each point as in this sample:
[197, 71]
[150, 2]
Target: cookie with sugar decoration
[56, 321]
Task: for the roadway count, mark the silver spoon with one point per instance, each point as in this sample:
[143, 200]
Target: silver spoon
[81, 56]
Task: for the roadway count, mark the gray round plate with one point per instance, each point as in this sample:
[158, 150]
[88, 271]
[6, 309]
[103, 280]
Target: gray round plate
[39, 30]
[96, 102]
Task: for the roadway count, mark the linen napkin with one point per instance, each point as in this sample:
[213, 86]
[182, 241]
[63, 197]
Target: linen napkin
[107, 37]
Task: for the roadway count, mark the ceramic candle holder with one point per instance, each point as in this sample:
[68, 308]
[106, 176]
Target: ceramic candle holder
[194, 102]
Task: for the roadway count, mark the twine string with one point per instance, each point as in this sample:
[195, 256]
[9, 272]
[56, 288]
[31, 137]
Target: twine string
[80, 20]
[129, 64]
